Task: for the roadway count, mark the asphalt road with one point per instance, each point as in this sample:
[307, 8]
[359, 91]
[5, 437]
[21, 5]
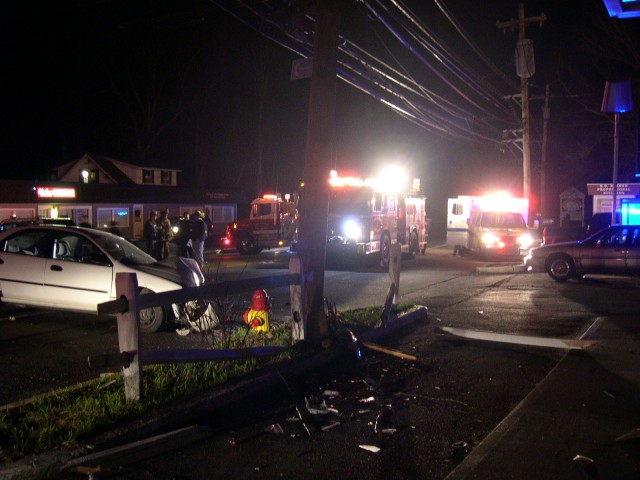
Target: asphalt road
[423, 415]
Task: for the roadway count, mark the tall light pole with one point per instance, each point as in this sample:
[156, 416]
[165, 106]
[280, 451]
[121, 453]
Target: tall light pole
[617, 99]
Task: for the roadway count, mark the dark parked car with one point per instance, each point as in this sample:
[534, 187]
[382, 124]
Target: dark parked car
[615, 249]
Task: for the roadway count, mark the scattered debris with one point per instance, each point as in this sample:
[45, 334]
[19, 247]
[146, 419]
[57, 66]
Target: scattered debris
[367, 400]
[183, 332]
[321, 410]
[302, 420]
[632, 435]
[388, 351]
[370, 448]
[609, 394]
[388, 431]
[330, 393]
[330, 426]
[274, 428]
[566, 343]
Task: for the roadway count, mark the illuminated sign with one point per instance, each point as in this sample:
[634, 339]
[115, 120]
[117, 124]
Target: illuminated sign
[607, 188]
[53, 192]
[623, 8]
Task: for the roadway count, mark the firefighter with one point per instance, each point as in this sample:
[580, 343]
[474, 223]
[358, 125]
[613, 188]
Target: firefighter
[257, 317]
[151, 234]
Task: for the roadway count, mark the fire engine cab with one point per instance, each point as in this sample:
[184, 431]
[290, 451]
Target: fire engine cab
[365, 218]
[272, 223]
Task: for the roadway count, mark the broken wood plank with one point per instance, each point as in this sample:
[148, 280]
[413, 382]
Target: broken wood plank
[564, 343]
[388, 351]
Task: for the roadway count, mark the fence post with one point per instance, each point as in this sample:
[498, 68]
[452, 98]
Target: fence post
[129, 335]
[298, 316]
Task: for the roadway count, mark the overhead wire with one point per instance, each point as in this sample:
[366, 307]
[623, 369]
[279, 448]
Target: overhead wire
[397, 90]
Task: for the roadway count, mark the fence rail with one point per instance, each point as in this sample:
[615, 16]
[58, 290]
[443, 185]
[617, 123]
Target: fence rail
[129, 302]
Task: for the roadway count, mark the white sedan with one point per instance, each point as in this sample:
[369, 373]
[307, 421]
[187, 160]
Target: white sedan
[75, 268]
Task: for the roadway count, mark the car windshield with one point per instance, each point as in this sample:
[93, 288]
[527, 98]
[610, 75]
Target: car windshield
[502, 220]
[120, 249]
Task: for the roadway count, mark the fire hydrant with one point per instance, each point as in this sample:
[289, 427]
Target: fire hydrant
[257, 317]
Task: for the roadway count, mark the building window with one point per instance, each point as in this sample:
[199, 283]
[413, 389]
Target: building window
[147, 176]
[165, 178]
[222, 214]
[108, 217]
[90, 176]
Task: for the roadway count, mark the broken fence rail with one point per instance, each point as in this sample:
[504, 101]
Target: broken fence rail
[127, 310]
[206, 291]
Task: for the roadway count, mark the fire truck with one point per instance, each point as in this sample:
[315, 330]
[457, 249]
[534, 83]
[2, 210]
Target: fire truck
[272, 223]
[366, 219]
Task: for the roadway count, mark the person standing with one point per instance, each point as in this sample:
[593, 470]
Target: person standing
[150, 233]
[183, 238]
[166, 233]
[198, 235]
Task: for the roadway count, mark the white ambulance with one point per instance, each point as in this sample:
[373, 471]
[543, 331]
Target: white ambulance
[492, 225]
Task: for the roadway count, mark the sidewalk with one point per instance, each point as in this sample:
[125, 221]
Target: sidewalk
[567, 427]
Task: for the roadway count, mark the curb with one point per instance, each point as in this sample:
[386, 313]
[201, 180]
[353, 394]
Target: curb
[513, 268]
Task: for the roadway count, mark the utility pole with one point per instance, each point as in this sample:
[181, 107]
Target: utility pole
[314, 202]
[525, 68]
[546, 114]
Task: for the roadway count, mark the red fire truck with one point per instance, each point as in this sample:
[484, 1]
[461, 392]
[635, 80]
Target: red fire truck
[272, 223]
[365, 219]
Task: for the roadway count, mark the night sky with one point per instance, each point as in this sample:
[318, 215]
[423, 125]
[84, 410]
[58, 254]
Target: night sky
[184, 84]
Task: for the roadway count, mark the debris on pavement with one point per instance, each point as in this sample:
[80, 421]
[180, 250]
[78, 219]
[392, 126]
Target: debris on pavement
[564, 343]
[370, 448]
[388, 351]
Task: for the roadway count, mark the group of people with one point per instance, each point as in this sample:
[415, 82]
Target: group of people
[190, 236]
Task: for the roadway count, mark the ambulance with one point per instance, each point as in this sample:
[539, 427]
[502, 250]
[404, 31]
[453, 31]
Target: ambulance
[490, 225]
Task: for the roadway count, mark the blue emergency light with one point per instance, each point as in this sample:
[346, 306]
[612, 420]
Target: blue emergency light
[630, 211]
[623, 8]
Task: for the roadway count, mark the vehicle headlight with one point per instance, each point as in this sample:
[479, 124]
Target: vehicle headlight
[525, 240]
[352, 230]
[490, 238]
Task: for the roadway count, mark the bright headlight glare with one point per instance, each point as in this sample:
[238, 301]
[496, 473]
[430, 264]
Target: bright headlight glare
[175, 229]
[525, 240]
[352, 230]
[490, 238]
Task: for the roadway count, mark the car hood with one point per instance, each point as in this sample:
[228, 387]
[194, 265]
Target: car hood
[175, 269]
[568, 247]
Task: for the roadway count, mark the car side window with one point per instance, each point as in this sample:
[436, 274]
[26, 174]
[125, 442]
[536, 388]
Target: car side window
[29, 242]
[635, 237]
[615, 238]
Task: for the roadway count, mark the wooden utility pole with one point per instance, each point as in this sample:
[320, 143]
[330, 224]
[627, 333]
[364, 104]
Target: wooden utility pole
[546, 114]
[526, 69]
[319, 152]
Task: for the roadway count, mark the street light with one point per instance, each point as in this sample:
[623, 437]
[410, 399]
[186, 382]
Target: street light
[616, 100]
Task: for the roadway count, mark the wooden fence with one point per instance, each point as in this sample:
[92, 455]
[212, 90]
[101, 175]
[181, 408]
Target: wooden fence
[129, 302]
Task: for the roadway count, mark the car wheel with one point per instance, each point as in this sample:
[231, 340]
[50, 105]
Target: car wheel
[151, 319]
[385, 250]
[561, 268]
[246, 244]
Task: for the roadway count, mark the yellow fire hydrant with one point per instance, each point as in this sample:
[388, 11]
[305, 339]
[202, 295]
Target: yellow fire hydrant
[257, 317]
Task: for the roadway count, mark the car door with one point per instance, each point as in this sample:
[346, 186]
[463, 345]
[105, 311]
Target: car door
[23, 258]
[633, 251]
[608, 253]
[79, 275]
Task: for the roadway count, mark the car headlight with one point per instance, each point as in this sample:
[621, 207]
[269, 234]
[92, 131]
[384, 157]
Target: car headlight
[352, 230]
[525, 240]
[490, 238]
